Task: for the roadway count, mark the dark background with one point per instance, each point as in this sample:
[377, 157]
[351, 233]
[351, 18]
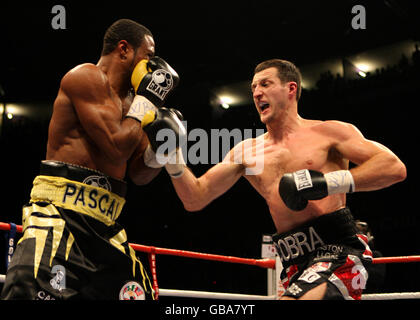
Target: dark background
[214, 43]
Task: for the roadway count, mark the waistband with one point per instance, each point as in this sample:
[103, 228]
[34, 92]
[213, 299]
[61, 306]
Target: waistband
[84, 175]
[89, 200]
[333, 228]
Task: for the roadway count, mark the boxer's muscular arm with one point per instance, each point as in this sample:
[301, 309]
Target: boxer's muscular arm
[195, 193]
[377, 166]
[138, 172]
[99, 115]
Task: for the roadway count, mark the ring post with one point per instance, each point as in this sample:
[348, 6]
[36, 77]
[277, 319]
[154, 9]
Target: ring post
[152, 263]
[269, 252]
[10, 244]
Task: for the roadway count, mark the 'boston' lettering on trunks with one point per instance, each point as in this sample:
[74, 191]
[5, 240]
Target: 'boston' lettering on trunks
[297, 244]
[92, 199]
[321, 234]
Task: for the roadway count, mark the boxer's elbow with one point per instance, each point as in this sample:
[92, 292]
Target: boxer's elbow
[400, 171]
[394, 169]
[194, 193]
[145, 177]
[191, 208]
[116, 154]
[116, 158]
[140, 174]
[193, 205]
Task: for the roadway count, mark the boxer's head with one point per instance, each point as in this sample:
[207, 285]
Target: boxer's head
[129, 41]
[286, 72]
[276, 86]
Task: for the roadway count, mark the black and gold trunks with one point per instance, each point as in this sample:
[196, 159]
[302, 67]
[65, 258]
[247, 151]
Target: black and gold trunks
[72, 247]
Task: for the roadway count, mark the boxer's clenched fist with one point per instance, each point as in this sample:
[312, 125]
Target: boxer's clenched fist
[152, 81]
[300, 186]
[166, 135]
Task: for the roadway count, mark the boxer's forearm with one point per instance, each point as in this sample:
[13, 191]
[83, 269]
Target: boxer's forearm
[190, 190]
[381, 171]
[196, 193]
[141, 174]
[137, 170]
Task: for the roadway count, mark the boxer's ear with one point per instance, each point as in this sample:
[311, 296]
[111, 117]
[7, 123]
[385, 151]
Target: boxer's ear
[123, 49]
[292, 86]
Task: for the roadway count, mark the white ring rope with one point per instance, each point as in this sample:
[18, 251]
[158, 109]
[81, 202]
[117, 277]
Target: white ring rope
[391, 296]
[237, 296]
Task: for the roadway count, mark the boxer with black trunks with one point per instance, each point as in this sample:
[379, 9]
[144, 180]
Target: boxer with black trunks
[72, 247]
[324, 250]
[301, 168]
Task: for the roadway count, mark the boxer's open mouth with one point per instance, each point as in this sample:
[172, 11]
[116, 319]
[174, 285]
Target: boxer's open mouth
[263, 106]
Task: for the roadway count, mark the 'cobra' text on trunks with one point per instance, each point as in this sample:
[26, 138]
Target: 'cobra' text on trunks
[293, 245]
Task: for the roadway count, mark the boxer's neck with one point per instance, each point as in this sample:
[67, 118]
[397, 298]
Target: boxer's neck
[117, 73]
[286, 122]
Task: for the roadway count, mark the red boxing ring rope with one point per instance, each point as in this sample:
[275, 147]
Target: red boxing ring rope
[402, 259]
[6, 227]
[263, 263]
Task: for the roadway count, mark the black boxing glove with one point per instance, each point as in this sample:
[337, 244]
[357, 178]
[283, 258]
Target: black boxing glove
[152, 81]
[300, 186]
[161, 124]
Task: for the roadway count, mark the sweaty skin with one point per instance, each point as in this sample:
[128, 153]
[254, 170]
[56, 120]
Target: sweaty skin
[292, 143]
[88, 125]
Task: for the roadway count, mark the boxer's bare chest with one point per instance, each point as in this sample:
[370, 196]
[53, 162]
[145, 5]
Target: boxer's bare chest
[306, 149]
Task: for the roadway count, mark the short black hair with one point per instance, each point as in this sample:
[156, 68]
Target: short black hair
[124, 29]
[286, 71]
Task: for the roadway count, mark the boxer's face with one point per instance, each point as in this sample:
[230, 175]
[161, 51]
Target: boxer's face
[130, 56]
[145, 51]
[269, 93]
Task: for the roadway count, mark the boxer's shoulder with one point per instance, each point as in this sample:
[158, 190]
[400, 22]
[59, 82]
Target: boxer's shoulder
[85, 78]
[334, 128]
[86, 73]
[249, 143]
